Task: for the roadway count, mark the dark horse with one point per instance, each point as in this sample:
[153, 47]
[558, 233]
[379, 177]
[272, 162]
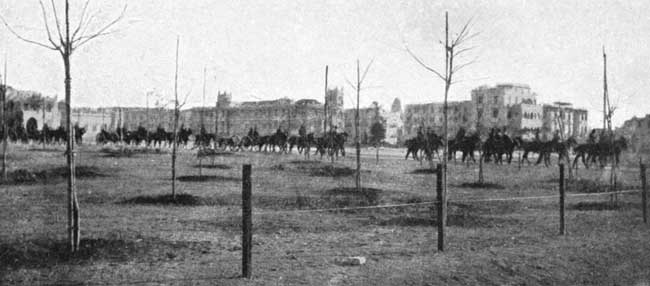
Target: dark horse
[599, 151]
[466, 145]
[497, 146]
[429, 144]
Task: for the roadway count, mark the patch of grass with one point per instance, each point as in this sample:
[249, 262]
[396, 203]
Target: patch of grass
[423, 171]
[595, 206]
[44, 149]
[332, 171]
[25, 176]
[168, 199]
[47, 253]
[117, 152]
[207, 178]
[587, 186]
[213, 153]
[215, 166]
[316, 168]
[484, 185]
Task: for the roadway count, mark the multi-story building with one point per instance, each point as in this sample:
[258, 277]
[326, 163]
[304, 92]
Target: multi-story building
[430, 115]
[367, 117]
[270, 115]
[565, 121]
[30, 110]
[494, 105]
[510, 107]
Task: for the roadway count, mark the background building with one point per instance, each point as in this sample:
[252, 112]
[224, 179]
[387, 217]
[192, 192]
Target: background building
[267, 116]
[30, 109]
[510, 107]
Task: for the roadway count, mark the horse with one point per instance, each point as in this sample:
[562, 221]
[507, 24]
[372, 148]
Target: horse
[562, 148]
[497, 146]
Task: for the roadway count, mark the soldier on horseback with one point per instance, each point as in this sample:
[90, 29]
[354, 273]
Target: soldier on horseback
[592, 137]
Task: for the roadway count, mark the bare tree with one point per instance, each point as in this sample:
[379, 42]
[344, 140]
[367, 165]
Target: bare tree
[66, 41]
[360, 79]
[453, 49]
[177, 110]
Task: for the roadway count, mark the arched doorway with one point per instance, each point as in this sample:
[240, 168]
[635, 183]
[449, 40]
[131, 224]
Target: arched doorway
[32, 128]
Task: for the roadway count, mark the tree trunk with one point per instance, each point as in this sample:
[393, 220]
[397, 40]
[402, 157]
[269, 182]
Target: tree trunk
[175, 123]
[448, 73]
[73, 204]
[480, 168]
[43, 124]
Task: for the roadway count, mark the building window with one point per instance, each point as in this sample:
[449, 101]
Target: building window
[480, 99]
[495, 113]
[509, 114]
[496, 99]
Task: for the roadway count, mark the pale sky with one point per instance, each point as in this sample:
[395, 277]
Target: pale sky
[272, 49]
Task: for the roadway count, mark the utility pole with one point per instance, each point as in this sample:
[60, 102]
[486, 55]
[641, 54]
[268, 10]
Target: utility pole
[176, 107]
[356, 132]
[203, 100]
[605, 94]
[325, 105]
[5, 131]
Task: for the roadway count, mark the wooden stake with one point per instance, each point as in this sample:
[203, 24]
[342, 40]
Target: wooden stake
[247, 222]
[441, 208]
[644, 194]
[562, 227]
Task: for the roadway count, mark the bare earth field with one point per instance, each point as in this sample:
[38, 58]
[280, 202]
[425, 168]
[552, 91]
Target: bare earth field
[130, 235]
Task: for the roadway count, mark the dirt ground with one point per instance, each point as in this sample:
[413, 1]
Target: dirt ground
[134, 234]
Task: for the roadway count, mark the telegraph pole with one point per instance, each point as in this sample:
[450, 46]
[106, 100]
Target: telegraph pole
[5, 132]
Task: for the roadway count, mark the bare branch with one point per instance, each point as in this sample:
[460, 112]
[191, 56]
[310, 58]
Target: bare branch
[56, 19]
[462, 34]
[365, 72]
[464, 50]
[81, 19]
[25, 39]
[83, 39]
[423, 64]
[350, 83]
[47, 27]
[184, 100]
[459, 67]
[466, 38]
[87, 24]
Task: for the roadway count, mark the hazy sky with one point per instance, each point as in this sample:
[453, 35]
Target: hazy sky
[271, 49]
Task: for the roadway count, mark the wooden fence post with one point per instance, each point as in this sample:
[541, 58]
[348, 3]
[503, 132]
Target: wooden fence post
[247, 222]
[562, 228]
[644, 194]
[441, 208]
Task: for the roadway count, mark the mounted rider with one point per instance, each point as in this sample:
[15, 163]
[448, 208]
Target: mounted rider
[556, 136]
[592, 137]
[302, 131]
[460, 134]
